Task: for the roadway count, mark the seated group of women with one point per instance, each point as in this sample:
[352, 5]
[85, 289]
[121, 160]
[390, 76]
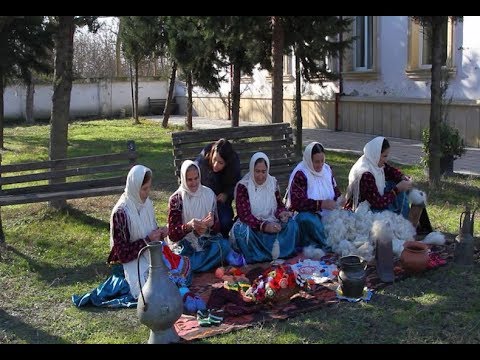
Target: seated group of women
[201, 220]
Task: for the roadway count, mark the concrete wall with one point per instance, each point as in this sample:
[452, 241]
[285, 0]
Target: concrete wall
[102, 98]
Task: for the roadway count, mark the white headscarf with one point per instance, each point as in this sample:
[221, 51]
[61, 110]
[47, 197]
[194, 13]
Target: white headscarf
[319, 184]
[140, 215]
[368, 162]
[263, 202]
[196, 205]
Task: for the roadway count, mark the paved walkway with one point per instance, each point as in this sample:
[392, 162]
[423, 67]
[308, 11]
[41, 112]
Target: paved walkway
[404, 151]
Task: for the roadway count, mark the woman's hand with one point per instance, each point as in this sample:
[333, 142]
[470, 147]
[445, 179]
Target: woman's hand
[155, 235]
[341, 201]
[208, 220]
[272, 227]
[284, 216]
[329, 204]
[163, 231]
[404, 185]
[222, 197]
[197, 225]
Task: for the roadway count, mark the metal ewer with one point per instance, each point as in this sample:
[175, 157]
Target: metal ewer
[464, 241]
[160, 303]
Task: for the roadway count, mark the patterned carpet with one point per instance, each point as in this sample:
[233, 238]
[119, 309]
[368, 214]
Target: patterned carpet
[238, 314]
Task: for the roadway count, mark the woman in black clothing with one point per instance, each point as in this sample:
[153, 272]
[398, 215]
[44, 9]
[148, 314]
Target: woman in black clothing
[220, 170]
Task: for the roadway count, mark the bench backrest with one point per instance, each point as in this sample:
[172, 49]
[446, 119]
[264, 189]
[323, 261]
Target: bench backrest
[157, 106]
[85, 176]
[275, 140]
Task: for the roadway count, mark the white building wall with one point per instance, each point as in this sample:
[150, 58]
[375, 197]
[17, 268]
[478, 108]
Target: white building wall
[468, 80]
[260, 85]
[392, 57]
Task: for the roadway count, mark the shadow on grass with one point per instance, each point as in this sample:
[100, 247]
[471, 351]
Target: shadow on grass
[83, 218]
[55, 276]
[17, 329]
[437, 306]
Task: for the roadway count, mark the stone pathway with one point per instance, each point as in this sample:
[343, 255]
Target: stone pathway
[404, 151]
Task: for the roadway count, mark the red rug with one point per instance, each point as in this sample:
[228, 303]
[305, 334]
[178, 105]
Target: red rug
[238, 315]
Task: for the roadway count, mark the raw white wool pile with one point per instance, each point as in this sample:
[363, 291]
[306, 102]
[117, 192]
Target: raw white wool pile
[352, 233]
[417, 197]
[312, 252]
[434, 238]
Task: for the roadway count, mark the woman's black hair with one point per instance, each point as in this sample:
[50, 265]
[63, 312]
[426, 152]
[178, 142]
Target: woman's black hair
[259, 160]
[385, 145]
[317, 149]
[225, 149]
[147, 177]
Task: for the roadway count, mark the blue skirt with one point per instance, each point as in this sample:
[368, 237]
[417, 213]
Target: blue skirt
[214, 252]
[312, 231]
[400, 205]
[256, 246]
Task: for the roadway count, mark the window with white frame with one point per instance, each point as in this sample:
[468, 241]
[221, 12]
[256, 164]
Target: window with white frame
[288, 68]
[360, 61]
[363, 45]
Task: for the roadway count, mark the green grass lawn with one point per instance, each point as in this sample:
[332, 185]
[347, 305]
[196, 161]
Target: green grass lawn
[49, 255]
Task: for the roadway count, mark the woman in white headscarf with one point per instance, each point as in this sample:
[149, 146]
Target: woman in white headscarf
[193, 221]
[312, 192]
[372, 179]
[133, 226]
[264, 230]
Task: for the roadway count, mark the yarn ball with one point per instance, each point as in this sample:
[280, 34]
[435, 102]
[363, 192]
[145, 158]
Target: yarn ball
[220, 272]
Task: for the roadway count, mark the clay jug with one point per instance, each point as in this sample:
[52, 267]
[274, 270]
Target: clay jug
[160, 303]
[352, 275]
[414, 257]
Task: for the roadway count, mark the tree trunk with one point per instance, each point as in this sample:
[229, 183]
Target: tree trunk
[131, 90]
[136, 91]
[29, 103]
[438, 43]
[236, 96]
[188, 119]
[298, 108]
[62, 88]
[2, 235]
[171, 89]
[2, 108]
[278, 40]
[446, 165]
[118, 48]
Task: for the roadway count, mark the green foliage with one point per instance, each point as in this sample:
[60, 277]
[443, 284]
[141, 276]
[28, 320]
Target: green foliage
[314, 40]
[26, 43]
[141, 37]
[193, 43]
[451, 143]
[51, 255]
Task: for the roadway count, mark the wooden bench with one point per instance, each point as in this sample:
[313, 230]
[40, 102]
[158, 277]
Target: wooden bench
[275, 140]
[85, 176]
[157, 106]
